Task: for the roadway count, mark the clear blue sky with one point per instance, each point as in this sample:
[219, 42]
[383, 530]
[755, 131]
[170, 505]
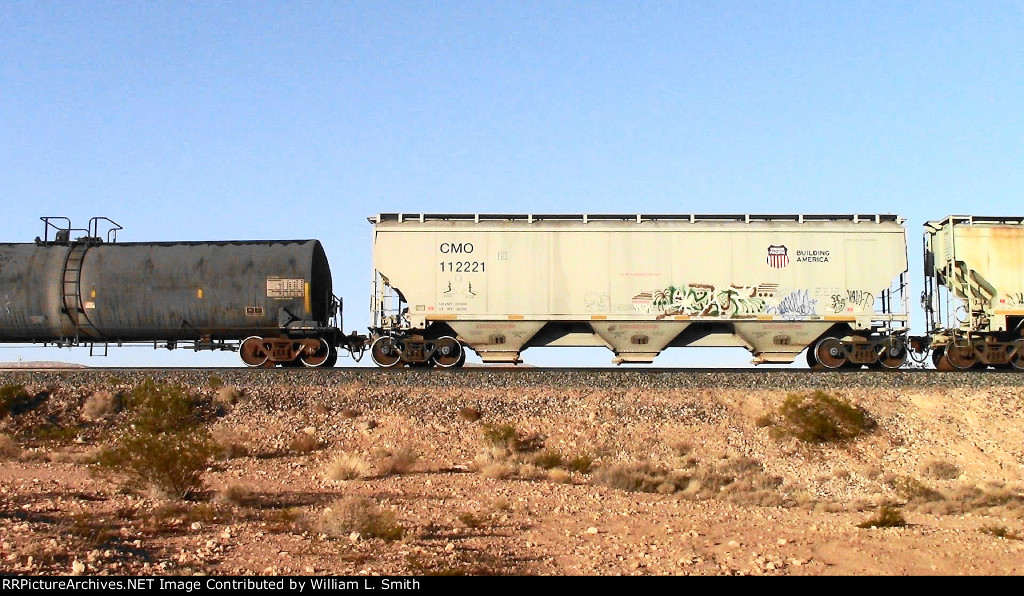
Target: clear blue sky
[241, 120]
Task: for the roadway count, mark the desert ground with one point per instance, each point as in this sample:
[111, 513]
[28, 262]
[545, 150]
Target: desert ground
[471, 472]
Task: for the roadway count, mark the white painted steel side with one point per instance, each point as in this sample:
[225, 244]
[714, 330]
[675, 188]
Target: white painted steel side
[640, 281]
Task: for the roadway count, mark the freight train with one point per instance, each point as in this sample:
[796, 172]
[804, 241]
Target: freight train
[834, 287]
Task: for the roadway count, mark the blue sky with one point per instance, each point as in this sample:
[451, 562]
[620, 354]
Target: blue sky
[241, 120]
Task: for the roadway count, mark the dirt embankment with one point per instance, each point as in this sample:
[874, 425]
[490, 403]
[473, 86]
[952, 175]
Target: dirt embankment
[350, 473]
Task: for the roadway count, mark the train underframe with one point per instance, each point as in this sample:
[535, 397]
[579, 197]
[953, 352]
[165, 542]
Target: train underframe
[973, 351]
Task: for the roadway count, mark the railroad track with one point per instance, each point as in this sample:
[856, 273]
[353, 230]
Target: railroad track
[682, 378]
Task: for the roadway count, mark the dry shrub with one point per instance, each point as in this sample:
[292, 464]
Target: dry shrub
[473, 520]
[504, 436]
[399, 461]
[547, 459]
[940, 470]
[739, 480]
[239, 494]
[497, 471]
[360, 516]
[348, 466]
[101, 405]
[821, 418]
[558, 475]
[993, 500]
[227, 396]
[887, 516]
[580, 463]
[1002, 532]
[91, 456]
[9, 448]
[305, 442]
[215, 382]
[230, 444]
[914, 491]
[507, 437]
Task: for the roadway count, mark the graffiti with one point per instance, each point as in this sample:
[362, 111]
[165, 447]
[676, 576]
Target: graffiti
[1014, 299]
[797, 304]
[704, 300]
[595, 302]
[852, 300]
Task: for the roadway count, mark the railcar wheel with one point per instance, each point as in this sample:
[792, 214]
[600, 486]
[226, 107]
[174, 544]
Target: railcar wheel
[961, 357]
[385, 352]
[894, 355]
[317, 358]
[1017, 359]
[447, 352]
[939, 359]
[252, 352]
[829, 352]
[332, 359]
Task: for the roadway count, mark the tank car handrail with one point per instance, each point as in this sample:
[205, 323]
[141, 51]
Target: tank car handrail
[94, 228]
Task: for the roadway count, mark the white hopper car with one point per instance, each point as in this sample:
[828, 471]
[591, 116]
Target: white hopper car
[637, 284]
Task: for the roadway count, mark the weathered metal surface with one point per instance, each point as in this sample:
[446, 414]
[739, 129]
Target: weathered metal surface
[161, 291]
[974, 291]
[637, 284]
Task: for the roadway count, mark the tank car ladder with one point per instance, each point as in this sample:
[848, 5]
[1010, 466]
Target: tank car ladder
[72, 297]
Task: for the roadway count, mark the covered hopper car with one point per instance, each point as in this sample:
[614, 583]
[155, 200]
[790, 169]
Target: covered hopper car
[637, 284]
[269, 299]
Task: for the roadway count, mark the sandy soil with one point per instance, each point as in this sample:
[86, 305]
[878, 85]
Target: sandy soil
[725, 494]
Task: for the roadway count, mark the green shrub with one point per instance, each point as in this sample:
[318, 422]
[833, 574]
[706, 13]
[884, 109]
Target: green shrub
[547, 459]
[821, 418]
[913, 489]
[160, 407]
[8, 395]
[501, 435]
[887, 516]
[580, 463]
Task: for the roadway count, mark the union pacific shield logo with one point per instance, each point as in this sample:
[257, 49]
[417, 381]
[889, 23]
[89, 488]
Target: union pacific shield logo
[778, 256]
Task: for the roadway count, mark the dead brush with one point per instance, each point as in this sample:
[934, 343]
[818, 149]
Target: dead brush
[9, 448]
[239, 494]
[507, 437]
[914, 491]
[740, 480]
[1001, 532]
[348, 466]
[305, 441]
[940, 470]
[229, 444]
[101, 405]
[359, 516]
[399, 461]
[227, 396]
